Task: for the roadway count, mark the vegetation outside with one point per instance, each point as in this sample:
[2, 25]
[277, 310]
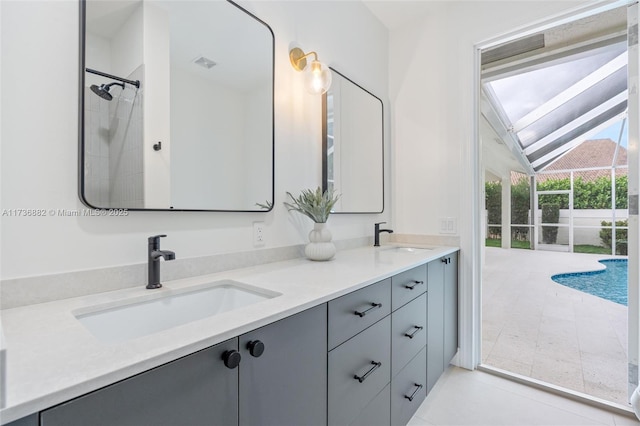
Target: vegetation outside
[594, 194]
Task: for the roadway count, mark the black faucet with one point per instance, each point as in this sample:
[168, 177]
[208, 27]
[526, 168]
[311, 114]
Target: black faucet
[154, 260]
[377, 231]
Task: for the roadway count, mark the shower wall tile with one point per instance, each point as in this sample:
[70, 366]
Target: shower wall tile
[96, 149]
[128, 159]
[113, 149]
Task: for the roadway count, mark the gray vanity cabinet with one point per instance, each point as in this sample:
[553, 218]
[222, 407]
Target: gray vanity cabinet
[368, 357]
[435, 319]
[442, 315]
[408, 285]
[197, 390]
[359, 363]
[450, 307]
[31, 420]
[408, 389]
[280, 380]
[359, 369]
[408, 344]
[377, 411]
[408, 332]
[283, 373]
[352, 313]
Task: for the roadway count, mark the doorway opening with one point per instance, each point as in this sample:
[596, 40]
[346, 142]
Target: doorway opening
[550, 106]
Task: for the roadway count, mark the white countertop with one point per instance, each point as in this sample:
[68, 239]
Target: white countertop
[52, 357]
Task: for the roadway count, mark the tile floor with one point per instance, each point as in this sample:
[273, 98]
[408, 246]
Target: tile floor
[463, 397]
[538, 328]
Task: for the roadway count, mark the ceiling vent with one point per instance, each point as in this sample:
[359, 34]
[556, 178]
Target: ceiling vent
[513, 48]
[204, 62]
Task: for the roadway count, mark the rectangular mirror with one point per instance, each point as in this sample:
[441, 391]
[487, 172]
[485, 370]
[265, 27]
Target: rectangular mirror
[353, 146]
[176, 106]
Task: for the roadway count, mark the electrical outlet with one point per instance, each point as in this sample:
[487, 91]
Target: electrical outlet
[258, 234]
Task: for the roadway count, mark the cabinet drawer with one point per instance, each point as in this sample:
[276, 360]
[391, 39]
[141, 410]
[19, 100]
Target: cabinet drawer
[409, 383]
[352, 313]
[410, 320]
[408, 285]
[377, 412]
[348, 396]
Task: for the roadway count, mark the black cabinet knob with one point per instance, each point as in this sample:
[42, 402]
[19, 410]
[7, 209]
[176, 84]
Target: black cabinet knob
[256, 348]
[231, 358]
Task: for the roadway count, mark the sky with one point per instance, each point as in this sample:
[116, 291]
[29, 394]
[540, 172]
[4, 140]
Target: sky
[613, 132]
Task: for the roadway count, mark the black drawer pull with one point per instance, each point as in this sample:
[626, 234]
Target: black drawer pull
[371, 370]
[373, 306]
[413, 395]
[415, 283]
[410, 335]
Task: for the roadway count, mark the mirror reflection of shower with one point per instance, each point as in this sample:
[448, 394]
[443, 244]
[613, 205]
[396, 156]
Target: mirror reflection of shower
[103, 89]
[113, 135]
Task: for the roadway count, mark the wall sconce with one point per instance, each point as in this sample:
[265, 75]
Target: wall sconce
[317, 75]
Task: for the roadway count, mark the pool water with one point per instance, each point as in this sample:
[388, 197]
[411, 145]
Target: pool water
[610, 283]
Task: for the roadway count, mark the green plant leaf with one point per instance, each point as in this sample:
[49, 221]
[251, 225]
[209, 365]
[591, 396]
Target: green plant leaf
[316, 204]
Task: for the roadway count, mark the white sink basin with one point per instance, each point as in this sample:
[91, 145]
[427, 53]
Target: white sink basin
[154, 313]
[408, 249]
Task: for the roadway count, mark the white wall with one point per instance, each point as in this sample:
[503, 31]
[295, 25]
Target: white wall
[257, 148]
[157, 113]
[431, 79]
[357, 132]
[591, 217]
[97, 57]
[202, 157]
[126, 46]
[39, 141]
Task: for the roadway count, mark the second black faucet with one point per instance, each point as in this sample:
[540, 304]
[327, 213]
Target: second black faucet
[377, 231]
[154, 255]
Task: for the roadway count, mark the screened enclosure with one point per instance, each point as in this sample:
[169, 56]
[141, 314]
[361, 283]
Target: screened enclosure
[544, 110]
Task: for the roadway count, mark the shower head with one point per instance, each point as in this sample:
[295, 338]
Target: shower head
[103, 90]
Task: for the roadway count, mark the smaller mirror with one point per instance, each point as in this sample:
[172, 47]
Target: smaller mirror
[353, 146]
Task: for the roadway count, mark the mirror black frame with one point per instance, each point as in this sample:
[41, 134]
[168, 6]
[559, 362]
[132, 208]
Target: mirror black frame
[325, 143]
[81, 116]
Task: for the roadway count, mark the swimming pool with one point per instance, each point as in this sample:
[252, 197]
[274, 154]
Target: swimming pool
[610, 283]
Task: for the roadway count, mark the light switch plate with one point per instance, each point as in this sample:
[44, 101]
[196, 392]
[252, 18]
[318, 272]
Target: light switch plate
[448, 225]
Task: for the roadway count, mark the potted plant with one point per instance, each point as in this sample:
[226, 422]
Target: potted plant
[317, 206]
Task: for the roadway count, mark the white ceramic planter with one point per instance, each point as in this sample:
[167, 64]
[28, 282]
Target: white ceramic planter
[320, 246]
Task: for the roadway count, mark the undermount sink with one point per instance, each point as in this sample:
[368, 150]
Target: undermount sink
[408, 249]
[151, 314]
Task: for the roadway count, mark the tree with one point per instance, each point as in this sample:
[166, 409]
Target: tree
[621, 236]
[493, 203]
[550, 214]
[592, 194]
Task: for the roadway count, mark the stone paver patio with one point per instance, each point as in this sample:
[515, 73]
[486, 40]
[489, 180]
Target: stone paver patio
[538, 328]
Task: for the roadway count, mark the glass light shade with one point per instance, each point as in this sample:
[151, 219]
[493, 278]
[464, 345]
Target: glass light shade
[317, 77]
